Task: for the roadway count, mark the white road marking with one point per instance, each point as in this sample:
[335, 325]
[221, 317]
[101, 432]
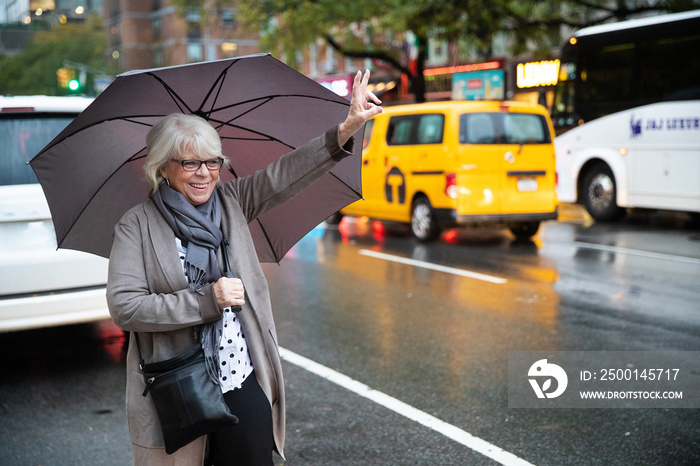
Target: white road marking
[637, 252]
[455, 433]
[439, 268]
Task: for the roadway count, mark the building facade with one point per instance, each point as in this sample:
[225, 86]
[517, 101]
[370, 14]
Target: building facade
[52, 11]
[154, 33]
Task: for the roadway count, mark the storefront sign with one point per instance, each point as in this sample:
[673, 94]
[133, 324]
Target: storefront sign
[478, 85]
[537, 74]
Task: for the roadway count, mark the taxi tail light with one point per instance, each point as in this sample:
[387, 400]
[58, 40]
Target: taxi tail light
[451, 185]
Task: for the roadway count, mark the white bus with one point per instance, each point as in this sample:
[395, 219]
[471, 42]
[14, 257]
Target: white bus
[627, 115]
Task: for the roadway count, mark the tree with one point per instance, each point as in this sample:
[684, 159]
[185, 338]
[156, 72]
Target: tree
[538, 22]
[33, 71]
[377, 29]
[365, 28]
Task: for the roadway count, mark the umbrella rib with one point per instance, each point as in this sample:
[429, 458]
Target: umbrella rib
[134, 157]
[176, 98]
[262, 228]
[74, 222]
[263, 102]
[221, 85]
[129, 119]
[348, 186]
[267, 238]
[220, 81]
[124, 118]
[227, 123]
[268, 98]
[266, 137]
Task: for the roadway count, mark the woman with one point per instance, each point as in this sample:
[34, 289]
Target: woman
[179, 230]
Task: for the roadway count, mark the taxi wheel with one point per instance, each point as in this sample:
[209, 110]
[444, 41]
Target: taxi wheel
[600, 194]
[525, 230]
[423, 222]
[334, 219]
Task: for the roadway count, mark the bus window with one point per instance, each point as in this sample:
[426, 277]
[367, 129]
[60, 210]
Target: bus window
[659, 74]
[610, 73]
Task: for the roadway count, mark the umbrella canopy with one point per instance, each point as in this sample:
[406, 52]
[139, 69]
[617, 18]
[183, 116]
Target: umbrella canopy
[91, 173]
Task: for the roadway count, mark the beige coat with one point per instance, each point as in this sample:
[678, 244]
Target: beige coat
[147, 291]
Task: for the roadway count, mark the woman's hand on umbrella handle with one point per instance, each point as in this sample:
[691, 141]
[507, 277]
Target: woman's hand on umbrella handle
[363, 106]
[229, 292]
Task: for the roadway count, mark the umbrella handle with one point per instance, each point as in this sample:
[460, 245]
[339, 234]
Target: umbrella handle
[227, 270]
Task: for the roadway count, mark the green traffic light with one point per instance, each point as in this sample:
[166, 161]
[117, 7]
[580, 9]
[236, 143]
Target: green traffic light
[73, 85]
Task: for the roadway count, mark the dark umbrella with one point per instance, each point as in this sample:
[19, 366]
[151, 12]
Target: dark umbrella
[92, 172]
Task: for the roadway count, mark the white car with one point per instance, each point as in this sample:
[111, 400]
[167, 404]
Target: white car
[40, 285]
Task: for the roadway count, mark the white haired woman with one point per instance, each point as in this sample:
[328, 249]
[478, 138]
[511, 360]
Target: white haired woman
[165, 280]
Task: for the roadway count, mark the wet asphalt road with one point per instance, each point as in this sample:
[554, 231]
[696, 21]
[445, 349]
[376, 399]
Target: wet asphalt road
[433, 340]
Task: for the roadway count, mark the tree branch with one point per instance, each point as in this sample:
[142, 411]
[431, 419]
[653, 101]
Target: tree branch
[377, 55]
[611, 14]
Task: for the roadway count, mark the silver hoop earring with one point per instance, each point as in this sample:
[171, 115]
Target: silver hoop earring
[167, 182]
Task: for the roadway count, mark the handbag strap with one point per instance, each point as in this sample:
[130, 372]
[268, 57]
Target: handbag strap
[138, 347]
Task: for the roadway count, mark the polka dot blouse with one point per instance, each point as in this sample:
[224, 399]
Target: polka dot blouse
[234, 360]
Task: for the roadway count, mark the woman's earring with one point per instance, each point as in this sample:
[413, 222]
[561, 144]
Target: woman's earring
[167, 182]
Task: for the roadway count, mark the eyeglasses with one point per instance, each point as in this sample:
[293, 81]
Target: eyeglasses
[191, 165]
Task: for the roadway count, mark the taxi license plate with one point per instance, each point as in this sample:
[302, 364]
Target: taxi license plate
[527, 184]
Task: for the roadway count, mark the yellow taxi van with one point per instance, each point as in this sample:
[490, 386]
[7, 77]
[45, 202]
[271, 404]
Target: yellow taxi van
[460, 163]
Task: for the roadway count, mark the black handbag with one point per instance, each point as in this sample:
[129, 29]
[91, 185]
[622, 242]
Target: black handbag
[189, 403]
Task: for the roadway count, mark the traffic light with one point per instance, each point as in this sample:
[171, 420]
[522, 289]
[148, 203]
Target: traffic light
[63, 77]
[66, 78]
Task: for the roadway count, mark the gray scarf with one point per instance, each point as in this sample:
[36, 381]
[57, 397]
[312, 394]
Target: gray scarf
[198, 229]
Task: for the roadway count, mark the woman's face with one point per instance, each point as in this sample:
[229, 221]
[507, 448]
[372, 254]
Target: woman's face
[197, 186]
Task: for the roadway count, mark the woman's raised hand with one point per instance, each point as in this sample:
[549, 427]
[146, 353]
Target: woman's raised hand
[363, 106]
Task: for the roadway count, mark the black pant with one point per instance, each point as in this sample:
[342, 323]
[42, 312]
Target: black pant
[250, 442]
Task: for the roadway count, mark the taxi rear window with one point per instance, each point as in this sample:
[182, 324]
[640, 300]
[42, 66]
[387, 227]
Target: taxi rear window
[503, 128]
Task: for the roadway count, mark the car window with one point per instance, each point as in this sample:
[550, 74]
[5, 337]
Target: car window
[477, 128]
[523, 128]
[369, 126]
[430, 128]
[399, 130]
[21, 138]
[503, 128]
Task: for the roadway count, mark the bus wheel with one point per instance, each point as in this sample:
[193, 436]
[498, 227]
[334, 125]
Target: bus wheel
[423, 223]
[525, 230]
[600, 194]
